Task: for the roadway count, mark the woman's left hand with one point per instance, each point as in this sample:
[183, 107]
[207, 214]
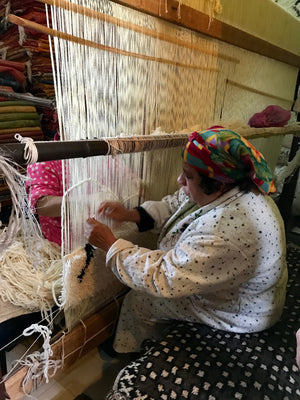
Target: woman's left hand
[101, 236]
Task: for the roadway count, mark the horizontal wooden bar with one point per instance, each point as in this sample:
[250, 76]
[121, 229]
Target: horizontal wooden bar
[48, 151]
[260, 92]
[75, 39]
[76, 8]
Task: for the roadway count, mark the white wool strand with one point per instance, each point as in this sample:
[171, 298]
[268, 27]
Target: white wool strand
[30, 150]
[26, 285]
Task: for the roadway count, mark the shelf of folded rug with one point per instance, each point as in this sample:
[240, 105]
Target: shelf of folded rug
[19, 117]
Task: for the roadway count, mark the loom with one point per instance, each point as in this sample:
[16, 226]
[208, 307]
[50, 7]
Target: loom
[164, 69]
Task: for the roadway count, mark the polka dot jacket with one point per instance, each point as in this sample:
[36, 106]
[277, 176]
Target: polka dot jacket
[226, 260]
[46, 180]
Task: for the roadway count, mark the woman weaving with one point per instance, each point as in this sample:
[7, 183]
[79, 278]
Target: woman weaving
[221, 251]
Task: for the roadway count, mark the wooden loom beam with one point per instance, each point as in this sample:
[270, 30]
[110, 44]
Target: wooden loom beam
[259, 92]
[48, 151]
[67, 5]
[200, 22]
[56, 150]
[84, 42]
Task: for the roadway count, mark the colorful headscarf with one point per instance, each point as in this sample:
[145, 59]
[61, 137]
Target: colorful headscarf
[226, 156]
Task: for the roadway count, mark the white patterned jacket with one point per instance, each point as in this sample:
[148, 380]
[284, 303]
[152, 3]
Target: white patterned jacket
[227, 259]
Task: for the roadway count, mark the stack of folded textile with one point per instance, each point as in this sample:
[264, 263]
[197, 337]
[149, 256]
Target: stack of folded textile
[12, 75]
[25, 68]
[16, 116]
[19, 117]
[30, 52]
[32, 47]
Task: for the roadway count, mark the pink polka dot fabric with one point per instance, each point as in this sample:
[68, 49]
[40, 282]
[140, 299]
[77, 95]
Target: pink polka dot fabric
[46, 180]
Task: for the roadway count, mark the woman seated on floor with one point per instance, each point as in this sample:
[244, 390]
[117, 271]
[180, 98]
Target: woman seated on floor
[221, 253]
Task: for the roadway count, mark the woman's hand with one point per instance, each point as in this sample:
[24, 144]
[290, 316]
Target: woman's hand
[100, 236]
[118, 212]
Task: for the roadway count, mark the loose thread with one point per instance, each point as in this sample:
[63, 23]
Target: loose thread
[30, 150]
[84, 338]
[39, 364]
[89, 339]
[113, 147]
[18, 337]
[63, 350]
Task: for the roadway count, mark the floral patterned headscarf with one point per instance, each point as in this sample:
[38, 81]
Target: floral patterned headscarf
[226, 156]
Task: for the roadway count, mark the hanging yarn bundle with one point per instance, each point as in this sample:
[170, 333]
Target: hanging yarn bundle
[15, 181]
[30, 266]
[27, 285]
[22, 218]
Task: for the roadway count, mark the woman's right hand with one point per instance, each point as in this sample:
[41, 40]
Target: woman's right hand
[118, 212]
